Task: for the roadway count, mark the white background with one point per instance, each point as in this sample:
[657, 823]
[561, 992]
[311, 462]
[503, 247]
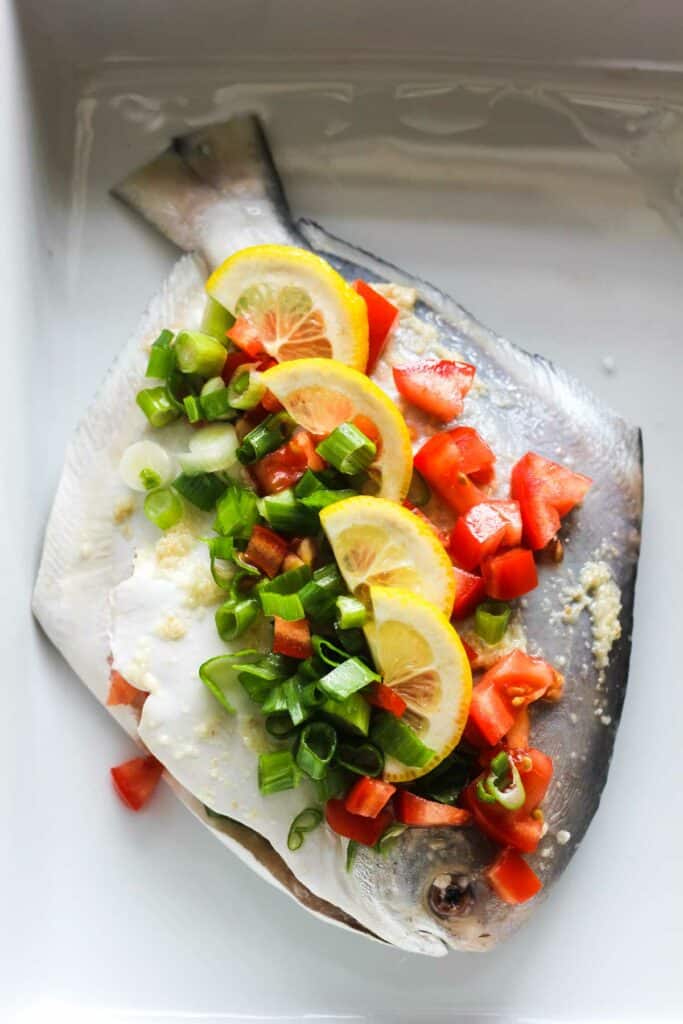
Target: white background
[107, 915]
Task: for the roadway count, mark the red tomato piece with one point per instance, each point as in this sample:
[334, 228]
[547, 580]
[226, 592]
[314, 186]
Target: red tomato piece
[370, 429]
[293, 639]
[368, 797]
[509, 828]
[536, 778]
[270, 403]
[266, 550]
[244, 335]
[469, 651]
[234, 360]
[546, 491]
[416, 811]
[353, 826]
[515, 681]
[470, 591]
[510, 575]
[511, 878]
[382, 315]
[518, 735]
[445, 461]
[121, 692]
[439, 388]
[287, 464]
[382, 696]
[491, 713]
[136, 780]
[477, 534]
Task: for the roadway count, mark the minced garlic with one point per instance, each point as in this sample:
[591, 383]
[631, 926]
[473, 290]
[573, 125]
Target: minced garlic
[123, 509]
[171, 627]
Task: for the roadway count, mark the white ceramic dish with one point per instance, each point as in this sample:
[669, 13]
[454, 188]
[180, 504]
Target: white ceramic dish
[554, 243]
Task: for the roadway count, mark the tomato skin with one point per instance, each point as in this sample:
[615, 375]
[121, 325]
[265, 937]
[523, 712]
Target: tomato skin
[293, 639]
[546, 491]
[490, 711]
[416, 811]
[367, 797]
[514, 682]
[353, 826]
[470, 591]
[266, 550]
[511, 878]
[438, 388]
[518, 734]
[287, 464]
[136, 780]
[510, 574]
[509, 828]
[445, 461]
[122, 693]
[243, 334]
[477, 534]
[536, 779]
[382, 696]
[382, 315]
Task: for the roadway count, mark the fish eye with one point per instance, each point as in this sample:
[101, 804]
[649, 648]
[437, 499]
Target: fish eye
[451, 895]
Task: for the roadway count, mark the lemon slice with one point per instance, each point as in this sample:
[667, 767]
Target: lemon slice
[295, 304]
[379, 542]
[322, 393]
[421, 657]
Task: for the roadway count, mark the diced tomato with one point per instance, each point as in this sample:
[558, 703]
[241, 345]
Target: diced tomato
[510, 574]
[136, 780]
[121, 692]
[476, 534]
[415, 810]
[287, 464]
[470, 591]
[234, 360]
[439, 388]
[536, 778]
[509, 828]
[483, 477]
[512, 879]
[270, 403]
[244, 335]
[469, 651]
[302, 442]
[382, 315]
[515, 681]
[368, 797]
[370, 429]
[382, 696]
[445, 461]
[293, 639]
[518, 735]
[546, 491]
[353, 826]
[266, 550]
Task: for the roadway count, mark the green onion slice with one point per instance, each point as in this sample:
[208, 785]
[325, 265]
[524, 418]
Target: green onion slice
[277, 771]
[307, 485]
[212, 450]
[158, 405]
[328, 652]
[317, 744]
[236, 512]
[215, 404]
[365, 759]
[348, 449]
[287, 515]
[265, 437]
[491, 620]
[351, 851]
[504, 783]
[279, 725]
[217, 674]
[202, 490]
[161, 361]
[349, 677]
[351, 715]
[298, 712]
[275, 700]
[285, 606]
[396, 739]
[234, 617]
[322, 498]
[199, 353]
[389, 837]
[289, 582]
[351, 613]
[193, 409]
[319, 595]
[334, 784]
[163, 508]
[246, 389]
[446, 782]
[306, 821]
[216, 320]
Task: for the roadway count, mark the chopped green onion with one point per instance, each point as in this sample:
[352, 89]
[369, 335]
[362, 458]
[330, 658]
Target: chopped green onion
[334, 784]
[289, 582]
[161, 361]
[246, 389]
[216, 404]
[212, 450]
[158, 405]
[217, 674]
[351, 613]
[234, 617]
[327, 652]
[199, 353]
[348, 449]
[366, 759]
[446, 782]
[216, 320]
[491, 620]
[351, 715]
[163, 508]
[312, 696]
[318, 597]
[285, 606]
[265, 437]
[202, 490]
[353, 641]
[277, 772]
[504, 783]
[287, 515]
[322, 498]
[347, 678]
[317, 744]
[351, 851]
[149, 479]
[222, 549]
[193, 409]
[305, 822]
[279, 725]
[389, 837]
[483, 796]
[236, 512]
[418, 492]
[274, 701]
[396, 739]
[260, 678]
[293, 696]
[307, 485]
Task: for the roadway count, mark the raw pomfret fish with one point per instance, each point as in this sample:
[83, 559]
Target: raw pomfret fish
[213, 193]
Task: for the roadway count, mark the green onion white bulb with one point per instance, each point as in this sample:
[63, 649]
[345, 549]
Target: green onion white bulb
[212, 450]
[145, 465]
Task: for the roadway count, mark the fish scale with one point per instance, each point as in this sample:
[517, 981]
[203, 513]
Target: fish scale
[212, 193]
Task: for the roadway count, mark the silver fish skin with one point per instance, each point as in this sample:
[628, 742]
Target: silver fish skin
[216, 191]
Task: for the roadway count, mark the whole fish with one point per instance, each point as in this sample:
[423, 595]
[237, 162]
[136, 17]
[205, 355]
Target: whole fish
[212, 193]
